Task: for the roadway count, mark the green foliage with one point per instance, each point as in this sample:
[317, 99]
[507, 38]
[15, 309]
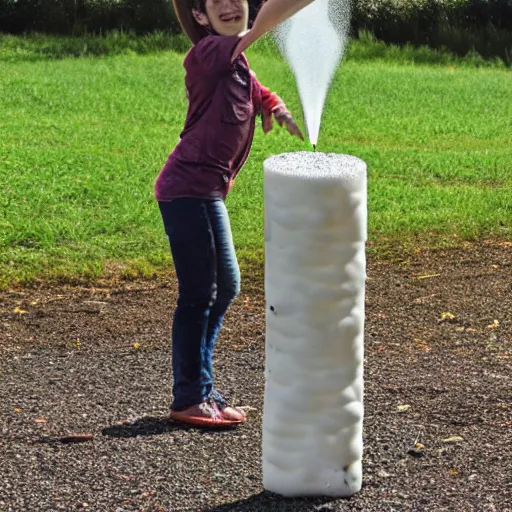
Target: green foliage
[86, 16]
[463, 26]
[36, 46]
[481, 26]
[474, 27]
[420, 15]
[367, 47]
[33, 47]
[82, 141]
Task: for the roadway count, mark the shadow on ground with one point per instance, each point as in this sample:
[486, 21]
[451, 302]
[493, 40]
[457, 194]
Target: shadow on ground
[266, 501]
[153, 426]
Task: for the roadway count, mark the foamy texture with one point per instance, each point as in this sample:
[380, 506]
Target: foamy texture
[313, 41]
[315, 230]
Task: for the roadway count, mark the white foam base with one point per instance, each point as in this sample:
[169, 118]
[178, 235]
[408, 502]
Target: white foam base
[315, 232]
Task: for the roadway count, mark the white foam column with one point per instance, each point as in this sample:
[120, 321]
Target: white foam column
[315, 272]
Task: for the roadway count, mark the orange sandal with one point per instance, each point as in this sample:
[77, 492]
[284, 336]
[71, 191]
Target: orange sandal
[206, 414]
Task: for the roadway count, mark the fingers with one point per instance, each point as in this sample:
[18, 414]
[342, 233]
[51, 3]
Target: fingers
[282, 116]
[282, 119]
[267, 123]
[293, 129]
[287, 119]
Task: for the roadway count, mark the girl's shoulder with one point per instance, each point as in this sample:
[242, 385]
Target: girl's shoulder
[212, 53]
[214, 42]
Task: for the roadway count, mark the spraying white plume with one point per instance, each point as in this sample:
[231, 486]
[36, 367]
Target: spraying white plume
[313, 42]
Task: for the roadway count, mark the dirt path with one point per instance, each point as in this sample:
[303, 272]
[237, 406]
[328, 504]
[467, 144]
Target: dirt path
[454, 375]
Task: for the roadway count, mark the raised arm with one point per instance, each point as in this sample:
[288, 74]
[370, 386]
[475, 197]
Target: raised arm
[272, 13]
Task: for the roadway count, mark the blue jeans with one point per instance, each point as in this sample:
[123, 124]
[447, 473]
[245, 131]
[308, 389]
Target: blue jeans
[208, 275]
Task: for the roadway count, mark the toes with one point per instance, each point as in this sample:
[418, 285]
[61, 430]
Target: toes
[233, 413]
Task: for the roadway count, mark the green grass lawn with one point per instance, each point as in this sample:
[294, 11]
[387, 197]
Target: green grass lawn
[82, 141]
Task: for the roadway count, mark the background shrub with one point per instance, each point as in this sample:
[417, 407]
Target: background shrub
[462, 26]
[81, 16]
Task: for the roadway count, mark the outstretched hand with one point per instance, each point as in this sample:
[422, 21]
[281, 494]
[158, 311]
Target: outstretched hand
[292, 127]
[283, 117]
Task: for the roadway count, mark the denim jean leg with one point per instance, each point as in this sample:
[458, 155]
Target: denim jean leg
[192, 242]
[228, 275]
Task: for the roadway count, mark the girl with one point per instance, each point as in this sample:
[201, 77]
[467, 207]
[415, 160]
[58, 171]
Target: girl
[224, 99]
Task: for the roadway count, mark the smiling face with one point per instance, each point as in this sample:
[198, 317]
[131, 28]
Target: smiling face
[226, 17]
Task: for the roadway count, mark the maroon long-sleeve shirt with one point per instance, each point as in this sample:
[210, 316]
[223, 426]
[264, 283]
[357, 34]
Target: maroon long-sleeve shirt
[224, 100]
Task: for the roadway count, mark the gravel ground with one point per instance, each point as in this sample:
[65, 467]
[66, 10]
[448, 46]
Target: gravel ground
[438, 409]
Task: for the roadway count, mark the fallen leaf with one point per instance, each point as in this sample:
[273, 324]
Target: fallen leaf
[76, 344]
[136, 346]
[470, 329]
[126, 478]
[419, 446]
[40, 420]
[460, 329]
[17, 410]
[127, 422]
[453, 472]
[428, 276]
[20, 311]
[422, 344]
[494, 325]
[453, 440]
[446, 317]
[76, 438]
[403, 408]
